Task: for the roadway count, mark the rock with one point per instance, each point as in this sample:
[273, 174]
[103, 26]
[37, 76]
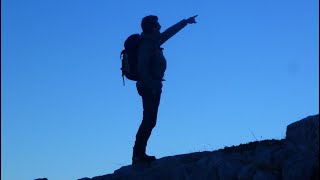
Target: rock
[203, 172]
[247, 172]
[305, 132]
[228, 170]
[295, 157]
[262, 175]
[262, 155]
[105, 177]
[299, 166]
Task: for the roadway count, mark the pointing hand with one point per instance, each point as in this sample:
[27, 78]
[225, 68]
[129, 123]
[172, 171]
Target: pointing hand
[191, 20]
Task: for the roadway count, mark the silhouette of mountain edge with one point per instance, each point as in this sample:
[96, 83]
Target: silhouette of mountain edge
[295, 157]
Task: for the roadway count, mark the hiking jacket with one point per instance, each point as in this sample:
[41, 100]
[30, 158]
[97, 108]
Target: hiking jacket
[151, 61]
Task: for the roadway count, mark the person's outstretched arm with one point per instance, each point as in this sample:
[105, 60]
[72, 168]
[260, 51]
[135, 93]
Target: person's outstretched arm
[168, 33]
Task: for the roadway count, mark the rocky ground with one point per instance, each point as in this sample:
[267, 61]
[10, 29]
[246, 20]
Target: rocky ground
[294, 158]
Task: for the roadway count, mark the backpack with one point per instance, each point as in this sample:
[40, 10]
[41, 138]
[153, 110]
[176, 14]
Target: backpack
[129, 57]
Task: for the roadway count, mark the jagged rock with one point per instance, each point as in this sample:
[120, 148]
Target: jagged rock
[262, 175]
[299, 166]
[305, 132]
[292, 158]
[304, 163]
[202, 172]
[247, 172]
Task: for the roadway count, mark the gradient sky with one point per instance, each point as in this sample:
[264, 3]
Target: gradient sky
[245, 71]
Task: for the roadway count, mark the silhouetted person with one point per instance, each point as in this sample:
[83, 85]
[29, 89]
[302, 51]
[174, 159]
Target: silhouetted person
[151, 68]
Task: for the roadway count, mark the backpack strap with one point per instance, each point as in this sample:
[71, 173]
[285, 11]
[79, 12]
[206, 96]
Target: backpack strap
[122, 53]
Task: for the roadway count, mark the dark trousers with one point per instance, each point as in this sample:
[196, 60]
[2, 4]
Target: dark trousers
[151, 101]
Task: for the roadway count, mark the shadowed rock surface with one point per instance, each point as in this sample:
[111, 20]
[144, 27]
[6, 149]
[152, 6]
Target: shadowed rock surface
[293, 158]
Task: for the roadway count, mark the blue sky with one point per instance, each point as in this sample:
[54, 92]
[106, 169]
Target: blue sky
[249, 66]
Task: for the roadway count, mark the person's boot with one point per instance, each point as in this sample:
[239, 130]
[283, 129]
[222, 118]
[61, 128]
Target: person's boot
[143, 158]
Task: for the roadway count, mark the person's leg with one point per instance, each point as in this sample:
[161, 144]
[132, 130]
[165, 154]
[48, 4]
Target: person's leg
[150, 110]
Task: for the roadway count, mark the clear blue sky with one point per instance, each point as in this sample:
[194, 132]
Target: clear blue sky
[246, 67]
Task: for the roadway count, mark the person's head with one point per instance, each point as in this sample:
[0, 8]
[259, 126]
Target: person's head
[150, 24]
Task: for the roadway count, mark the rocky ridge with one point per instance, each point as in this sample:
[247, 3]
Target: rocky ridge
[293, 158]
